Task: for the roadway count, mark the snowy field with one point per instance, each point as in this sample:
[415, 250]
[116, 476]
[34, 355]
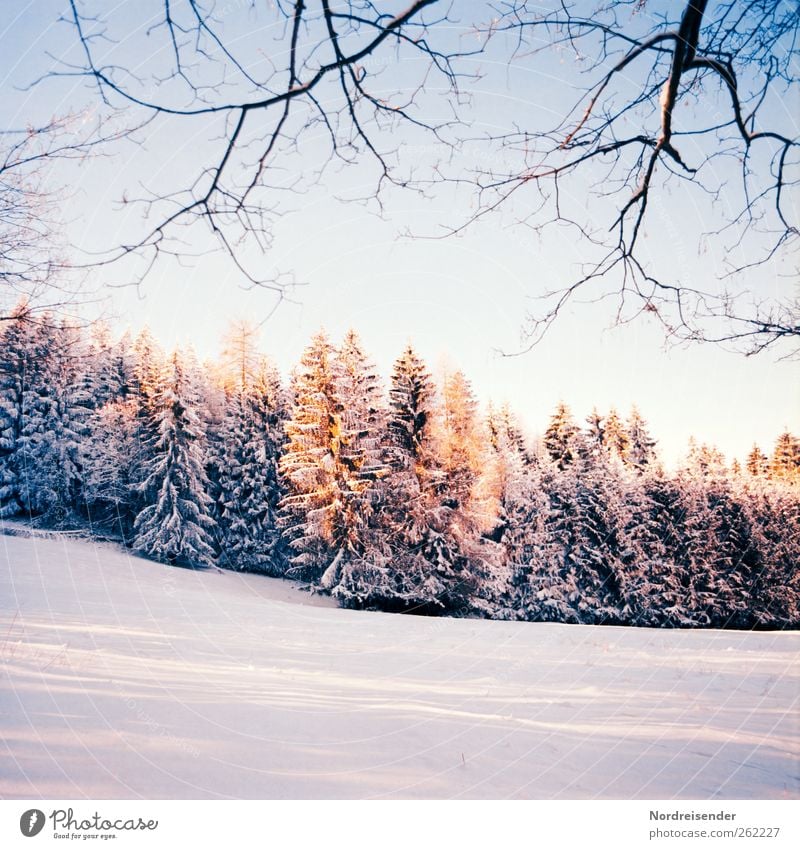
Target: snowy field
[123, 678]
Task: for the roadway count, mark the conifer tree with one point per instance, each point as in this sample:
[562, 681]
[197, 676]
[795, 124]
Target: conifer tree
[150, 372]
[411, 402]
[774, 598]
[149, 369]
[757, 461]
[108, 367]
[112, 467]
[435, 514]
[544, 583]
[705, 551]
[459, 446]
[562, 437]
[21, 361]
[660, 592]
[121, 378]
[640, 451]
[615, 436]
[594, 527]
[362, 454]
[312, 510]
[464, 502]
[116, 451]
[428, 545]
[54, 428]
[785, 461]
[175, 526]
[594, 434]
[410, 580]
[521, 510]
[240, 360]
[248, 486]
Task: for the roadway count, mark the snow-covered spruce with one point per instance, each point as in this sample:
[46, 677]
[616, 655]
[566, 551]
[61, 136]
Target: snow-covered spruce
[248, 488]
[409, 500]
[43, 415]
[175, 526]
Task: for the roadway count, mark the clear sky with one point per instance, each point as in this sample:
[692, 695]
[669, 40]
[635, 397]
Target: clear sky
[459, 300]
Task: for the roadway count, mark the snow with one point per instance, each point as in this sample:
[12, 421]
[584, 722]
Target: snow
[124, 678]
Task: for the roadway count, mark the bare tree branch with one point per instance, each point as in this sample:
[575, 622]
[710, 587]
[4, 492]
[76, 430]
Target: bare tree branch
[37, 270]
[316, 76]
[635, 140]
[682, 103]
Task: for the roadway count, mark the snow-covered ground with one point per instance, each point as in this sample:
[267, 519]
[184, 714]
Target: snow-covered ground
[124, 678]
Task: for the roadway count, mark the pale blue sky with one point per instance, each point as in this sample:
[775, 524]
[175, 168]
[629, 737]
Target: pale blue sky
[457, 299]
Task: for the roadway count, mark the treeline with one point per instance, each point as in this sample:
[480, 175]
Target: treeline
[408, 500]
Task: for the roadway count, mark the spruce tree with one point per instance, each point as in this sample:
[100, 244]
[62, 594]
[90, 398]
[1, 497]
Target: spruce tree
[562, 439]
[594, 433]
[175, 526]
[108, 367]
[658, 589]
[411, 403]
[640, 451]
[757, 461]
[464, 512]
[112, 467]
[712, 539]
[595, 528]
[521, 512]
[248, 487]
[241, 360]
[362, 455]
[312, 511]
[114, 462]
[785, 461]
[545, 584]
[150, 372]
[410, 581]
[775, 590]
[616, 438]
[21, 362]
[433, 513]
[54, 428]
